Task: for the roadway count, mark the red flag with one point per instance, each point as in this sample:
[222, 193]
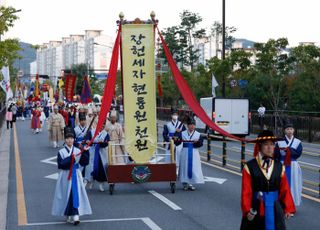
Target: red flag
[69, 86]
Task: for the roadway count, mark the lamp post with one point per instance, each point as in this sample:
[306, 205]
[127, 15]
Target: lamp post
[223, 54]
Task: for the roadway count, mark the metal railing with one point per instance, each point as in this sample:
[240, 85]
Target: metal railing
[307, 125]
[237, 165]
[224, 160]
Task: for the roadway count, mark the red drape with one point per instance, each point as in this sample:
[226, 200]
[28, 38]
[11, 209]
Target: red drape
[110, 85]
[188, 96]
[108, 93]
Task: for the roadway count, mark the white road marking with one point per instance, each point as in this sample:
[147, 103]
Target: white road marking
[305, 163]
[165, 200]
[152, 225]
[49, 160]
[214, 179]
[251, 151]
[54, 176]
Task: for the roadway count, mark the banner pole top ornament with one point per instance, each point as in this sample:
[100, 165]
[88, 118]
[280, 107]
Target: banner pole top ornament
[122, 21]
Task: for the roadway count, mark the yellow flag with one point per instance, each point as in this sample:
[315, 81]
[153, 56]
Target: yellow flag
[139, 91]
[61, 83]
[51, 96]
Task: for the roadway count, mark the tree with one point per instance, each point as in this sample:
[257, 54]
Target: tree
[8, 47]
[189, 33]
[81, 70]
[216, 32]
[273, 65]
[181, 39]
[304, 92]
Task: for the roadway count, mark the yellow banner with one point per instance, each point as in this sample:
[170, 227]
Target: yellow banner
[139, 91]
[51, 96]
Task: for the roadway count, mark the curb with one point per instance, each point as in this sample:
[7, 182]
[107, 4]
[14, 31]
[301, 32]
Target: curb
[4, 172]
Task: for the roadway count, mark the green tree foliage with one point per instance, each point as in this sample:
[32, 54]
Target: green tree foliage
[216, 33]
[8, 47]
[180, 39]
[81, 70]
[304, 93]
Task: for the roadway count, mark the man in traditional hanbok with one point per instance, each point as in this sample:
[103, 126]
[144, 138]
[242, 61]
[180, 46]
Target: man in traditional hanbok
[70, 197]
[266, 198]
[96, 170]
[115, 132]
[35, 121]
[190, 171]
[173, 128]
[81, 131]
[95, 112]
[56, 125]
[83, 135]
[72, 117]
[64, 114]
[288, 151]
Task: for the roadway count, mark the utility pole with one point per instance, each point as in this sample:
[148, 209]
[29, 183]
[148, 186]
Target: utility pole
[223, 54]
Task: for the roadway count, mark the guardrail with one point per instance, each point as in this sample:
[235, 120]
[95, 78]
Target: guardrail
[237, 165]
[224, 159]
[307, 125]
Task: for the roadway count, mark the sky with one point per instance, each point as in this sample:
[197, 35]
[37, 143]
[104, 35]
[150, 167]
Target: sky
[258, 20]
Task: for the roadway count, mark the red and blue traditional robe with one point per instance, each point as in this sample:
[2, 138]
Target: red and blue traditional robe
[265, 189]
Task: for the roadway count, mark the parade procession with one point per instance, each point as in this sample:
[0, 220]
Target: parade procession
[144, 130]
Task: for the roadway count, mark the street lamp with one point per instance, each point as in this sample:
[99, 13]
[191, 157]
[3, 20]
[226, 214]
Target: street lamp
[223, 45]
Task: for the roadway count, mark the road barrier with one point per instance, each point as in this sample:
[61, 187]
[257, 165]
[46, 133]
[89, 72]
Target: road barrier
[224, 159]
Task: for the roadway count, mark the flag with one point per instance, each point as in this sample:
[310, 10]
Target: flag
[69, 86]
[61, 83]
[5, 73]
[214, 84]
[85, 97]
[5, 83]
[37, 90]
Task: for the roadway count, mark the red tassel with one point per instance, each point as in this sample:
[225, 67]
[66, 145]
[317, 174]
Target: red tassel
[256, 149]
[287, 159]
[71, 167]
[160, 91]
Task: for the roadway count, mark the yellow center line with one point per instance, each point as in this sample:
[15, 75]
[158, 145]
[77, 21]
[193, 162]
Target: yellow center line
[21, 204]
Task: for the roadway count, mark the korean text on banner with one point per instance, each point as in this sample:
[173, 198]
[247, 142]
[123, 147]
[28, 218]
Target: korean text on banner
[139, 91]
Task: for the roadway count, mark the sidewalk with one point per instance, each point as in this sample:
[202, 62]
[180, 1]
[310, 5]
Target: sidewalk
[4, 172]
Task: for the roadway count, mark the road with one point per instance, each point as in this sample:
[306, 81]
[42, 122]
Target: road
[214, 205]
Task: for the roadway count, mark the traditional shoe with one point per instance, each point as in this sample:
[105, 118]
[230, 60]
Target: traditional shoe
[191, 187]
[90, 184]
[69, 220]
[85, 182]
[101, 187]
[185, 186]
[76, 220]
